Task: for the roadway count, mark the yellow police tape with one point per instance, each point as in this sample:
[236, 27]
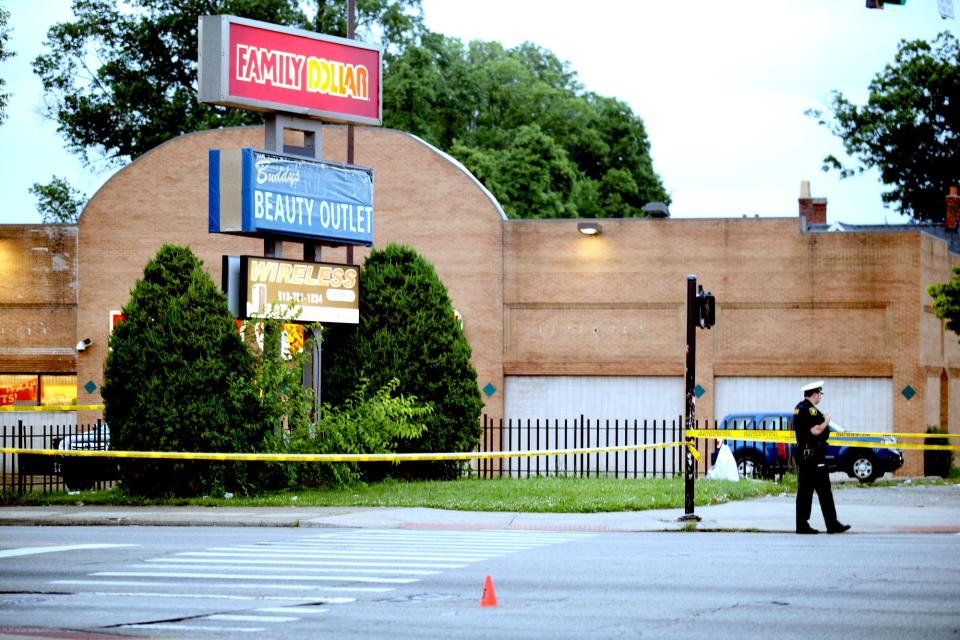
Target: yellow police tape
[57, 407]
[334, 457]
[784, 436]
[848, 438]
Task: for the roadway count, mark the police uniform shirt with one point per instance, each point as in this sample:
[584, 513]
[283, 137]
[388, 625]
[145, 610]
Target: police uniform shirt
[805, 417]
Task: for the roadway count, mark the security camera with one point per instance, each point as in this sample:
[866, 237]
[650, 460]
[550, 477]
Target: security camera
[83, 344]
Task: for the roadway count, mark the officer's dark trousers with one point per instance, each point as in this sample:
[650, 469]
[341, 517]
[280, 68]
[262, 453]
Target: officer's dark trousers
[813, 476]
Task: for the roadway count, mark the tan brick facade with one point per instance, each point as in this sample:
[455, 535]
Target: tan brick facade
[538, 298]
[38, 298]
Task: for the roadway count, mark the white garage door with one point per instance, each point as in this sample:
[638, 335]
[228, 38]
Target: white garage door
[593, 397]
[856, 404]
[564, 412]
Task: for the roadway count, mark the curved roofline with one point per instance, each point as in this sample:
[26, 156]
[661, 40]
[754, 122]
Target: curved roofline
[456, 163]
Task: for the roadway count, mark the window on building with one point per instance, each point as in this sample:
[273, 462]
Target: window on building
[32, 389]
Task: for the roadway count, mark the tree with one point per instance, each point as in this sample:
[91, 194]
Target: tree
[58, 201]
[179, 378]
[498, 109]
[4, 54]
[946, 301]
[408, 331]
[909, 128]
[144, 90]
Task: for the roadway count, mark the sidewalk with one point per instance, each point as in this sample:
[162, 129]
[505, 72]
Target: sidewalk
[898, 509]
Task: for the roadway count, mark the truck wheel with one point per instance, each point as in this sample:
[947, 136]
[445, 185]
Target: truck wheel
[863, 466]
[748, 465]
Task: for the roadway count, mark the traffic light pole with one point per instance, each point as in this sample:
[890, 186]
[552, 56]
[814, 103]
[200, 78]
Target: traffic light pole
[690, 465]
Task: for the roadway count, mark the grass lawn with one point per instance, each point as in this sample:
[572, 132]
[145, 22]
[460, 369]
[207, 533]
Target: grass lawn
[560, 495]
[534, 495]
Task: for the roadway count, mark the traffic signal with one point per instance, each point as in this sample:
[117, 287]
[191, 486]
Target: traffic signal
[706, 309]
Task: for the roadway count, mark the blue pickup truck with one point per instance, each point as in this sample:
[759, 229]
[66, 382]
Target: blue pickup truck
[770, 459]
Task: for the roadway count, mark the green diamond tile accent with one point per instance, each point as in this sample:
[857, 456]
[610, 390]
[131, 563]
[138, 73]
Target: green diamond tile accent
[489, 389]
[699, 391]
[90, 387]
[908, 392]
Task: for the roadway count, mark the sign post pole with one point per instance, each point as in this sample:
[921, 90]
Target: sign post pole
[690, 465]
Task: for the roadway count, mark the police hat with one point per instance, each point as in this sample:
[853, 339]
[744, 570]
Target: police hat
[814, 386]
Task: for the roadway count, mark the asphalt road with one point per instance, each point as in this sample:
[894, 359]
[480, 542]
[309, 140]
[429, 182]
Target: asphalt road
[210, 582]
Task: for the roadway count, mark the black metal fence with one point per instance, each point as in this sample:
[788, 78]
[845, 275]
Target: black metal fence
[27, 472]
[20, 473]
[529, 434]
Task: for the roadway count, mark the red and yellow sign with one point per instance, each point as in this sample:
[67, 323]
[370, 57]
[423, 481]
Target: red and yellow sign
[260, 66]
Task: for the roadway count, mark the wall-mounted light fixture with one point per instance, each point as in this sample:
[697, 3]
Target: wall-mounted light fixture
[83, 344]
[590, 228]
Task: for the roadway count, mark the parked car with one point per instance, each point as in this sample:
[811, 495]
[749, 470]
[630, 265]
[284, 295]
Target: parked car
[770, 459]
[79, 472]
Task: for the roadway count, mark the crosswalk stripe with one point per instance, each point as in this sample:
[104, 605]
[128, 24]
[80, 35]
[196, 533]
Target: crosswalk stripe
[299, 610]
[249, 618]
[248, 576]
[195, 627]
[332, 555]
[245, 567]
[215, 585]
[233, 560]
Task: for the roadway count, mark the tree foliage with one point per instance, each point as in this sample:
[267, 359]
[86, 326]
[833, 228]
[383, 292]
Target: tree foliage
[179, 378]
[58, 201]
[518, 118]
[408, 331]
[522, 123]
[122, 77]
[909, 128]
[946, 301]
[4, 54]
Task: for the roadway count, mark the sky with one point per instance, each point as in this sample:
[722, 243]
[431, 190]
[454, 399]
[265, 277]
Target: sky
[722, 88]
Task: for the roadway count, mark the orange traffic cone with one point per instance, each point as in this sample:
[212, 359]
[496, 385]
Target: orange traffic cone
[489, 598]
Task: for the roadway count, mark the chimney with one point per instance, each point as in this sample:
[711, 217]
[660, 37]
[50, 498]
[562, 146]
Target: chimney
[812, 210]
[953, 209]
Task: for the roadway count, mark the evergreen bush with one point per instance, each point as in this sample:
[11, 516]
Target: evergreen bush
[179, 378]
[407, 331]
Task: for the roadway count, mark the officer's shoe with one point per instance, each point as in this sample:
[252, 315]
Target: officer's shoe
[807, 529]
[838, 528]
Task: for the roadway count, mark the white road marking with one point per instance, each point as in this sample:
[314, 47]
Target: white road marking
[226, 558]
[232, 617]
[29, 551]
[194, 627]
[248, 576]
[223, 585]
[336, 553]
[297, 610]
[295, 569]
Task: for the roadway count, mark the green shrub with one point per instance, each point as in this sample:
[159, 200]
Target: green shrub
[936, 462]
[377, 423]
[179, 378]
[408, 331]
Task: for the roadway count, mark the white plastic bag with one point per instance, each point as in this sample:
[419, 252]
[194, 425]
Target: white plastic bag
[725, 468]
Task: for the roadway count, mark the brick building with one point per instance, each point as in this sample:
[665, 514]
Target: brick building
[561, 323]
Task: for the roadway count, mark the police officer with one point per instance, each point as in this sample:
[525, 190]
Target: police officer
[810, 426]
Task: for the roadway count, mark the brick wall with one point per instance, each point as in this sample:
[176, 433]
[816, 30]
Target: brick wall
[38, 298]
